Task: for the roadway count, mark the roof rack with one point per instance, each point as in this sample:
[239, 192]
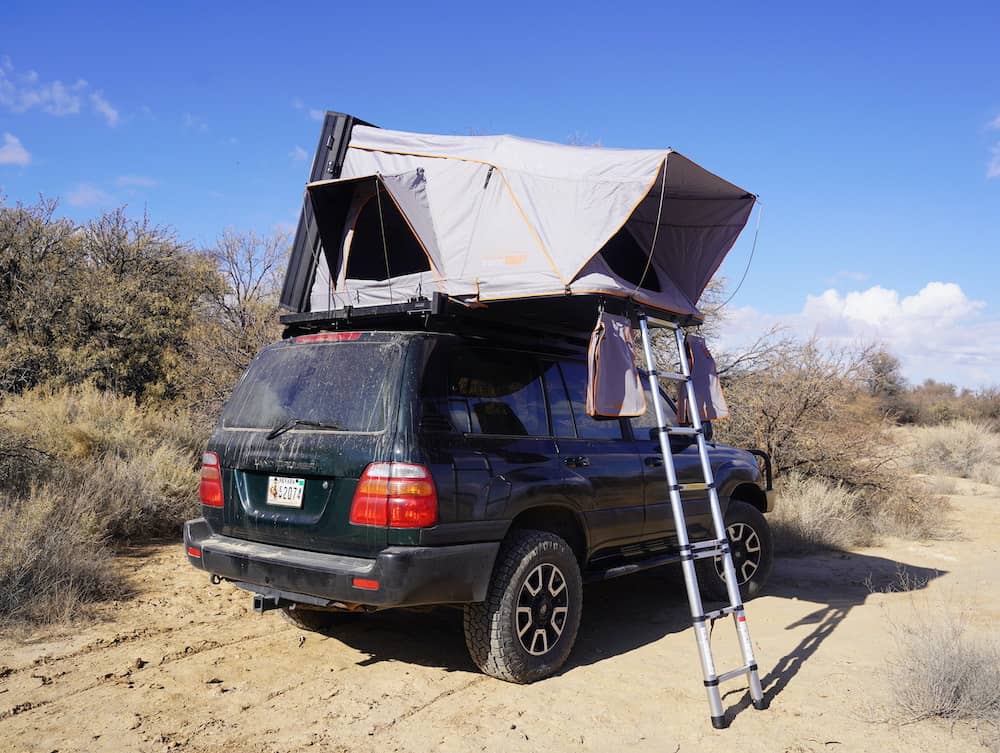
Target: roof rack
[567, 319]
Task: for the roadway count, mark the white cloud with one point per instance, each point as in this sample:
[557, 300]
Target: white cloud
[140, 181]
[938, 332]
[104, 108]
[995, 123]
[13, 152]
[298, 154]
[87, 195]
[21, 92]
[315, 114]
[194, 122]
[993, 168]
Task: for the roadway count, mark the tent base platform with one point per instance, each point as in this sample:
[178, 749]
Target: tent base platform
[569, 317]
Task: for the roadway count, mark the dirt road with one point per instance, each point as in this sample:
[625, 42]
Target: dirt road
[186, 666]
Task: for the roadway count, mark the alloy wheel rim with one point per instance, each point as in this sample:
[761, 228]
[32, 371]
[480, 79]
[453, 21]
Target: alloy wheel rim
[542, 609]
[744, 545]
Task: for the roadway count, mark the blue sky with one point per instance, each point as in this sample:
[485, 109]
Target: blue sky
[872, 134]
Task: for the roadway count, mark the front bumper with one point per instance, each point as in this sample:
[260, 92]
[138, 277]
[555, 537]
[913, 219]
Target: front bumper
[772, 499]
[406, 575]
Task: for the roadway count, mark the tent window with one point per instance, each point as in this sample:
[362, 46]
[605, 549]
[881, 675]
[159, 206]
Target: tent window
[366, 258]
[628, 260]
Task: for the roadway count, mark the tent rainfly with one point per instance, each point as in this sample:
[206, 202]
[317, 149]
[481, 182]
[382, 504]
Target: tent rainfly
[498, 218]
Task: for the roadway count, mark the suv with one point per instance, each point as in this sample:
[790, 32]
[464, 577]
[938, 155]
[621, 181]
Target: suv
[356, 471]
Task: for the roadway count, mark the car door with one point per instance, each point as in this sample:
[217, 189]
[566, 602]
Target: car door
[659, 515]
[603, 470]
[500, 434]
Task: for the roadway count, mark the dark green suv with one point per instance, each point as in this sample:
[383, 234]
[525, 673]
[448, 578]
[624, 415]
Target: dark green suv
[365, 470]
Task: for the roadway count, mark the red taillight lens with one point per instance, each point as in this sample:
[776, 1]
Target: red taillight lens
[399, 495]
[210, 489]
[328, 337]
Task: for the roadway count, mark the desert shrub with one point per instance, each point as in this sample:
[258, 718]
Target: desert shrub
[813, 411]
[52, 562]
[237, 319]
[132, 470]
[944, 669]
[815, 514]
[960, 448]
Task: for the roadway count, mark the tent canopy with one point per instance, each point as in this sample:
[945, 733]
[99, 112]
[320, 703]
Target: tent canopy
[498, 218]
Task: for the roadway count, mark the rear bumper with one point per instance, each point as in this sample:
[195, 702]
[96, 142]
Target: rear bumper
[406, 575]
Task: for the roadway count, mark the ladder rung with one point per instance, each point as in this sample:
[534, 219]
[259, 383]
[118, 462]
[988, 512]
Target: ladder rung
[693, 487]
[721, 612]
[683, 431]
[705, 549]
[672, 376]
[736, 673]
[709, 544]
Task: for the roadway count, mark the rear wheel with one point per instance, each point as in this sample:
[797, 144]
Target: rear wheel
[314, 620]
[753, 554]
[527, 626]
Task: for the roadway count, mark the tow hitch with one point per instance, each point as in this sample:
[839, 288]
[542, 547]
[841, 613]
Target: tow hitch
[262, 603]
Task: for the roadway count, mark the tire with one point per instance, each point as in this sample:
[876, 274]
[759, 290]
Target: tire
[313, 620]
[526, 628]
[753, 554]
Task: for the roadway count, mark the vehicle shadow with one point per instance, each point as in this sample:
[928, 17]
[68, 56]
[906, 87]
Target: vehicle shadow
[624, 614]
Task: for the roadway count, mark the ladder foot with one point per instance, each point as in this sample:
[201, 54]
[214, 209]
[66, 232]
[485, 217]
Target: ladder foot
[761, 704]
[719, 722]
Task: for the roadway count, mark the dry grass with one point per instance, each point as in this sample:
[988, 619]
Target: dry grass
[961, 448]
[814, 514]
[51, 562]
[80, 472]
[944, 669]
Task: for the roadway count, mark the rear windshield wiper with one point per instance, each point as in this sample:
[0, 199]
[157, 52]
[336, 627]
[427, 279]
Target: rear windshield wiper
[291, 423]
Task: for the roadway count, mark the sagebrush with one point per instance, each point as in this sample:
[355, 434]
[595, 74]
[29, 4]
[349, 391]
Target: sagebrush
[84, 472]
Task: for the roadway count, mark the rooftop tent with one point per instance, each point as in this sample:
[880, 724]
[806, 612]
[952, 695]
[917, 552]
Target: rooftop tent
[497, 218]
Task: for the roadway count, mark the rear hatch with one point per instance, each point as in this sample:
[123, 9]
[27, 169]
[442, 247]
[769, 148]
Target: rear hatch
[295, 436]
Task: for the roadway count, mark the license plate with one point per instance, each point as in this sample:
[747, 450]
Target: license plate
[285, 492]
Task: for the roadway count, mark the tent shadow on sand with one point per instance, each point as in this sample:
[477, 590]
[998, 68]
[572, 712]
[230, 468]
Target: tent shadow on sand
[627, 613]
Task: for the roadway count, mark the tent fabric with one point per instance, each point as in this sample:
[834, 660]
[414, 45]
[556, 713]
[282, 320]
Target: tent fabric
[613, 386]
[711, 403]
[504, 218]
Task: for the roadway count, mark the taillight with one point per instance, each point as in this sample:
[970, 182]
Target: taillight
[210, 489]
[398, 495]
[328, 337]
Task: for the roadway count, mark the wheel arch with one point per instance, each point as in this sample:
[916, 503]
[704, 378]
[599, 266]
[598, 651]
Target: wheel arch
[562, 521]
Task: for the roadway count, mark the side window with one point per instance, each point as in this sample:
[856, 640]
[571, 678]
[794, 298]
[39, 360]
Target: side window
[439, 411]
[587, 427]
[500, 392]
[559, 407]
[642, 424]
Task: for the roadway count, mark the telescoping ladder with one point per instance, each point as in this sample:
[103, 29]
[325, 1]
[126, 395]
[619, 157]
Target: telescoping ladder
[715, 547]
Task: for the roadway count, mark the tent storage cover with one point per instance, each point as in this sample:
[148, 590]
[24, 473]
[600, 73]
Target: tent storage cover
[499, 218]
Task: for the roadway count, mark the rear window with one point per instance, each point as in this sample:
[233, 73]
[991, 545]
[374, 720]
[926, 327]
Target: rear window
[345, 384]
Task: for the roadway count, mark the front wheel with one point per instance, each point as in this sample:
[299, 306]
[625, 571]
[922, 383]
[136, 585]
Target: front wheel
[753, 554]
[527, 626]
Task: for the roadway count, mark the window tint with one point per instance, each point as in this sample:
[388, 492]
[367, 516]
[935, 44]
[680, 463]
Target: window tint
[559, 407]
[587, 427]
[496, 392]
[338, 383]
[642, 424]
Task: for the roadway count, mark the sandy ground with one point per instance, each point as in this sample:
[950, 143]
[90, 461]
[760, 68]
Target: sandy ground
[187, 666]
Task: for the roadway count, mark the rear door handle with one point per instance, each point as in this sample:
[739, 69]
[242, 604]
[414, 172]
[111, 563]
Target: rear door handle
[577, 461]
[653, 461]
